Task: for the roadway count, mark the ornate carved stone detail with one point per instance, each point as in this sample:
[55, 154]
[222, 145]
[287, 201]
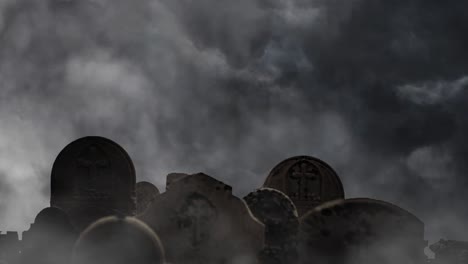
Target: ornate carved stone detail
[304, 182]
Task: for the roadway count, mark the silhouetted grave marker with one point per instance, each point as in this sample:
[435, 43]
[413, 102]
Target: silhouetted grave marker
[308, 181]
[279, 215]
[9, 247]
[146, 193]
[114, 240]
[361, 231]
[200, 221]
[50, 238]
[93, 177]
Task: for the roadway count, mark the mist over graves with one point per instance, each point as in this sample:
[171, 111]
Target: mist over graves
[99, 214]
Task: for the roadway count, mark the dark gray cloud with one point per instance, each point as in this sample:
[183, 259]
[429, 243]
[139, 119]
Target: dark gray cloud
[230, 88]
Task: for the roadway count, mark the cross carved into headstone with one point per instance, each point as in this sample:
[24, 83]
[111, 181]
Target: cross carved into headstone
[94, 161]
[304, 178]
[197, 215]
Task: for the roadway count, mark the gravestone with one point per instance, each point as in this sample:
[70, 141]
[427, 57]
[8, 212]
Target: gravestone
[50, 238]
[357, 231]
[308, 181]
[145, 193]
[93, 177]
[200, 221]
[10, 247]
[173, 177]
[116, 240]
[279, 215]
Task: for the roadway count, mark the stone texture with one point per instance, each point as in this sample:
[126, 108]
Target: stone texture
[200, 221]
[279, 215]
[146, 193]
[361, 231]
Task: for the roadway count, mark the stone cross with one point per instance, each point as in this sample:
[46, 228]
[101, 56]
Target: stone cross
[94, 161]
[197, 215]
[303, 174]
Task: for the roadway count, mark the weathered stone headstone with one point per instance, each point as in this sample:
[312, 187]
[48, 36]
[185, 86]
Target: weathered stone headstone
[308, 181]
[279, 215]
[200, 221]
[146, 193]
[50, 239]
[357, 231]
[114, 240]
[173, 177]
[93, 177]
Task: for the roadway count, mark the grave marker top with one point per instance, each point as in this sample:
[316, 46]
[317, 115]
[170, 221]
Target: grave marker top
[307, 181]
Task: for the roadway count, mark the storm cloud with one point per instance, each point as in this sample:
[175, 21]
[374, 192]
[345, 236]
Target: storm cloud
[377, 89]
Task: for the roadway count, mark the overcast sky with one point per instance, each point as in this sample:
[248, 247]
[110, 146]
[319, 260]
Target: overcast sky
[375, 88]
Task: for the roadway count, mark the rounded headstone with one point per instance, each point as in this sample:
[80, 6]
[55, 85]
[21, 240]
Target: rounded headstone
[114, 240]
[308, 181]
[279, 215]
[146, 193]
[50, 239]
[271, 206]
[52, 217]
[91, 178]
[361, 230]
